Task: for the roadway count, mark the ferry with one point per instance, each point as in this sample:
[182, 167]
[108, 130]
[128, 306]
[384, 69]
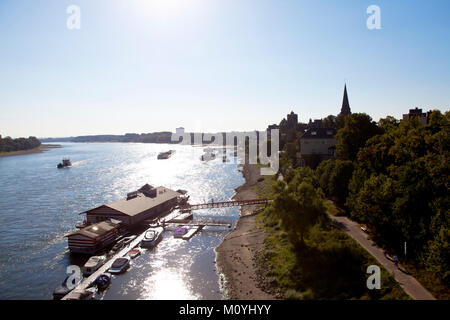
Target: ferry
[166, 155]
[64, 164]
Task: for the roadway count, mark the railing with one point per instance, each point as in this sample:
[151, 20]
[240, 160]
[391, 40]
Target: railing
[223, 204]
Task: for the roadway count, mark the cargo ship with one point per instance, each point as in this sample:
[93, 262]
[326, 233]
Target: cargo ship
[166, 155]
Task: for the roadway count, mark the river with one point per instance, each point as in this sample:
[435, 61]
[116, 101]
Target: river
[40, 204]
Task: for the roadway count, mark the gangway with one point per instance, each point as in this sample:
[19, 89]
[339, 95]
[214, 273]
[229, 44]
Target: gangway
[223, 204]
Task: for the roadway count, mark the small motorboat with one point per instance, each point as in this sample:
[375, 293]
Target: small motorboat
[65, 288]
[64, 164]
[180, 232]
[103, 281]
[93, 264]
[151, 237]
[133, 253]
[82, 294]
[120, 265]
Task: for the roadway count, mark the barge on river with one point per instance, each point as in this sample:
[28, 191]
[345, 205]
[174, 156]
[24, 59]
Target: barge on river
[166, 155]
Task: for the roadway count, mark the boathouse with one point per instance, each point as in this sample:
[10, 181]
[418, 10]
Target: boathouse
[93, 238]
[145, 204]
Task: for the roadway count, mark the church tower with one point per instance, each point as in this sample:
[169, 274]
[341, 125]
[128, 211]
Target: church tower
[345, 110]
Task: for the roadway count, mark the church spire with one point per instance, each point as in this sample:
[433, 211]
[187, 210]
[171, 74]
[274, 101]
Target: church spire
[345, 110]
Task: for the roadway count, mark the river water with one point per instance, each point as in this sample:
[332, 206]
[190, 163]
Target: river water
[40, 204]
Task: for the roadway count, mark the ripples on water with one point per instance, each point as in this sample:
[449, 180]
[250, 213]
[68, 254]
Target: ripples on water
[39, 204]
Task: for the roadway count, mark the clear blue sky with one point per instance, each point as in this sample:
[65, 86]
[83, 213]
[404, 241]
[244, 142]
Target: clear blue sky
[214, 65]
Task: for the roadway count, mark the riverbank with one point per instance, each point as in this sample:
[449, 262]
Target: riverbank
[236, 255]
[41, 148]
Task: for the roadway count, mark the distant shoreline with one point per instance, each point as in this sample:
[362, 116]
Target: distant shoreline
[40, 149]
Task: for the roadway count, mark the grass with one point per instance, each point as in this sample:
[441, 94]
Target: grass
[429, 281]
[264, 186]
[331, 265]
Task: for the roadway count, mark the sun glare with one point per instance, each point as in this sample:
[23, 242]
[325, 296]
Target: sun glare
[163, 8]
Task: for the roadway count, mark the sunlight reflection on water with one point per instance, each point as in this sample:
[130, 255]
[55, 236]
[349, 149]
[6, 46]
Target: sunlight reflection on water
[39, 204]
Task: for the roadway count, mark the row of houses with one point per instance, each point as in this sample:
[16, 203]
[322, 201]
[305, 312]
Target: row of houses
[105, 223]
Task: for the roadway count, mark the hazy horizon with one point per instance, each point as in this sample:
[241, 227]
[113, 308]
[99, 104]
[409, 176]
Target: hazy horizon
[211, 66]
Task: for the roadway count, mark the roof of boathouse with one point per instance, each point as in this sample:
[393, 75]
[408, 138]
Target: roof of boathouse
[96, 230]
[142, 200]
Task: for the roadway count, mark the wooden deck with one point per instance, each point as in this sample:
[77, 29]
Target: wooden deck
[192, 232]
[87, 282]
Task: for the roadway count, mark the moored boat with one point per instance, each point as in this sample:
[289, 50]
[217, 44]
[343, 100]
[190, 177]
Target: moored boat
[103, 281]
[93, 264]
[151, 237]
[120, 265]
[133, 253]
[180, 232]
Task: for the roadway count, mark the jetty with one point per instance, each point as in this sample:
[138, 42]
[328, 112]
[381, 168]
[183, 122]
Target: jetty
[136, 206]
[89, 281]
[223, 204]
[192, 232]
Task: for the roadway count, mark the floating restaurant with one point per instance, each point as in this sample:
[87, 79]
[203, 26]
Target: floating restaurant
[104, 223]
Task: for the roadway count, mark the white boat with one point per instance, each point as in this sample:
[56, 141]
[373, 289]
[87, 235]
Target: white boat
[151, 237]
[120, 265]
[133, 253]
[93, 264]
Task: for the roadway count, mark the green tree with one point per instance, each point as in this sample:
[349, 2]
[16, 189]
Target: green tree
[298, 204]
[339, 180]
[358, 128]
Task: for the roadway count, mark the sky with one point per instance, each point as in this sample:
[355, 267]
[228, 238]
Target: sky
[140, 66]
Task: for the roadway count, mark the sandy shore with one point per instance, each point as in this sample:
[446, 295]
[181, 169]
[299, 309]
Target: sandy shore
[41, 148]
[237, 253]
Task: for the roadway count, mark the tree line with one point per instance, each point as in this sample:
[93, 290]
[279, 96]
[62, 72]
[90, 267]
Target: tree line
[394, 177]
[8, 144]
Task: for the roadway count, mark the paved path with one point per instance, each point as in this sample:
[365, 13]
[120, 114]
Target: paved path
[409, 284]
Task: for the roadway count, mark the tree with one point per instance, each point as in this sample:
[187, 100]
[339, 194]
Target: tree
[298, 204]
[329, 122]
[399, 188]
[339, 179]
[358, 128]
[323, 173]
